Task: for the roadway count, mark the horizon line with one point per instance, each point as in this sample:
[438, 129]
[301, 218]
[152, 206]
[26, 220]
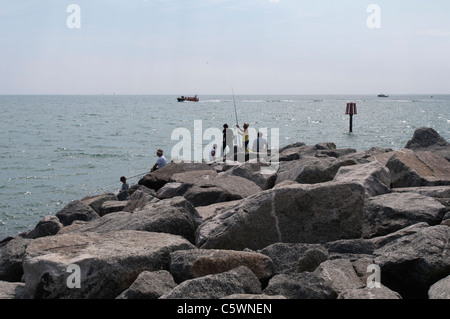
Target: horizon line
[212, 94]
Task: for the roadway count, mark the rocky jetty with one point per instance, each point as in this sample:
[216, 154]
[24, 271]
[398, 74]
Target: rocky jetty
[329, 223]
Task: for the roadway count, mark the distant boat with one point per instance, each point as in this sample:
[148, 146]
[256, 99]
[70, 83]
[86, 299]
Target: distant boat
[383, 95]
[188, 98]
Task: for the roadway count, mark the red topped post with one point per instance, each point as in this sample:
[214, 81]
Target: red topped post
[351, 110]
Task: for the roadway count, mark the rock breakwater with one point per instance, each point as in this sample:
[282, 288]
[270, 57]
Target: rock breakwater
[330, 223]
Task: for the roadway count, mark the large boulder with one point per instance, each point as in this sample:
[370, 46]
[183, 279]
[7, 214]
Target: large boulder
[240, 280]
[288, 257]
[48, 226]
[159, 178]
[374, 176]
[149, 285]
[388, 213]
[294, 213]
[427, 139]
[300, 150]
[380, 241]
[108, 263]
[411, 264]
[11, 256]
[254, 172]
[191, 264]
[410, 168]
[139, 198]
[112, 206]
[441, 289]
[208, 212]
[76, 210]
[220, 189]
[96, 202]
[440, 193]
[340, 274]
[304, 285]
[173, 216]
[311, 170]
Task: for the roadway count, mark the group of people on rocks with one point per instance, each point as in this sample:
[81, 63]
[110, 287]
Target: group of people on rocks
[259, 144]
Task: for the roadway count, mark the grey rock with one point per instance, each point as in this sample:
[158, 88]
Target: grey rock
[12, 290]
[240, 280]
[220, 189]
[340, 274]
[311, 259]
[411, 264]
[96, 202]
[374, 176]
[76, 210]
[366, 156]
[149, 285]
[440, 290]
[139, 198]
[311, 170]
[206, 187]
[286, 256]
[416, 168]
[388, 213]
[296, 213]
[426, 138]
[173, 216]
[191, 264]
[48, 226]
[11, 256]
[109, 263]
[351, 246]
[254, 172]
[158, 179]
[300, 286]
[172, 189]
[440, 193]
[369, 294]
[109, 207]
[208, 212]
[380, 241]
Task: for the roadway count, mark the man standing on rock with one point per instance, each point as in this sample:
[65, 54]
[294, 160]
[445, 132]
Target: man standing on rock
[161, 162]
[228, 137]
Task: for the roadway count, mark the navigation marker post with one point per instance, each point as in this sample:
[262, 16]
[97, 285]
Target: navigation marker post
[351, 110]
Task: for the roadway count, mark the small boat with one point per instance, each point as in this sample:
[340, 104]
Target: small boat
[188, 98]
[383, 95]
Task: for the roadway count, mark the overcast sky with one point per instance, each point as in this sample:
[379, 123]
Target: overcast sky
[206, 46]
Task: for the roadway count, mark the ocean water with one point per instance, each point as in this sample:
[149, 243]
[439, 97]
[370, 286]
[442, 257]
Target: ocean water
[55, 149]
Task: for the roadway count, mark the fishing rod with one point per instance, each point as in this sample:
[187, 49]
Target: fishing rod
[127, 179]
[235, 111]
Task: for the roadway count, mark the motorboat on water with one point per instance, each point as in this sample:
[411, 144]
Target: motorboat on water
[188, 98]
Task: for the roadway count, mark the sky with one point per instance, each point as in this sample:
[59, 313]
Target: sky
[203, 47]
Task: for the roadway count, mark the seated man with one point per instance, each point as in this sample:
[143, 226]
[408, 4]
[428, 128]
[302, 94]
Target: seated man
[123, 193]
[161, 162]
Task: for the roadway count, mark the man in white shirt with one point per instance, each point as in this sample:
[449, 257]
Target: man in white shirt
[161, 162]
[260, 144]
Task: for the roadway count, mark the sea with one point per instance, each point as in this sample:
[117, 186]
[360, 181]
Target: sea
[59, 148]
